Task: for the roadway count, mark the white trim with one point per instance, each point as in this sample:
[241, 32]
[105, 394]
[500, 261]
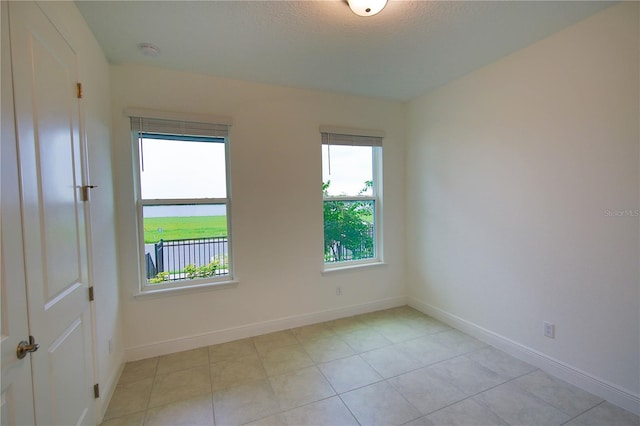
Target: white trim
[376, 199]
[611, 392]
[378, 182]
[143, 288]
[172, 290]
[177, 116]
[348, 266]
[255, 329]
[351, 131]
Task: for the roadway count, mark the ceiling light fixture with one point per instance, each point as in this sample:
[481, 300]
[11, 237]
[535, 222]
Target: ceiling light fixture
[366, 7]
[148, 49]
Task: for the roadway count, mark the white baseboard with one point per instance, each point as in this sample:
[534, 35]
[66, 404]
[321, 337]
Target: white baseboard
[615, 394]
[107, 388]
[255, 329]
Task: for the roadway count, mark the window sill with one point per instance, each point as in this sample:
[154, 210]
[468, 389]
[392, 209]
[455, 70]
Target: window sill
[329, 271]
[186, 289]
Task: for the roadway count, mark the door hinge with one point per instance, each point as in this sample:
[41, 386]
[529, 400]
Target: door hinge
[96, 390]
[91, 296]
[79, 90]
[84, 196]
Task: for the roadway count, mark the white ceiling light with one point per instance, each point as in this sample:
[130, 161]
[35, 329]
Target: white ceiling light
[366, 7]
[148, 49]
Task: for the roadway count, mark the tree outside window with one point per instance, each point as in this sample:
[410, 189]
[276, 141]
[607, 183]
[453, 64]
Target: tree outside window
[350, 203]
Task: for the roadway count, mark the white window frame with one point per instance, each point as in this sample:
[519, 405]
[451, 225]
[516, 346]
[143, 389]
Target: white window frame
[178, 124]
[332, 135]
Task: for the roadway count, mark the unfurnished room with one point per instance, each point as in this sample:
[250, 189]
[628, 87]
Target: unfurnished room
[320, 212]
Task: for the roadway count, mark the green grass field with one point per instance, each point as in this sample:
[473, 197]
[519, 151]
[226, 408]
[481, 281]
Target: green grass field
[182, 228]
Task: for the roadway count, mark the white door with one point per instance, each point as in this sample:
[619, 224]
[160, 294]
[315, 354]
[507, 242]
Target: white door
[55, 252]
[16, 397]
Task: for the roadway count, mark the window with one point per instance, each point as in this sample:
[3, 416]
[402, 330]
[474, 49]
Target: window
[183, 202]
[351, 187]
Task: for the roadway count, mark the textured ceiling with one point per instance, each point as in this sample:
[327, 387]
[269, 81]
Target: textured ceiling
[408, 49]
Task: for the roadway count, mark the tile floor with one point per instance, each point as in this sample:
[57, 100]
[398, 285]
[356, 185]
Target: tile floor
[392, 367]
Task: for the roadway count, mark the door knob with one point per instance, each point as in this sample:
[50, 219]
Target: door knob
[24, 347]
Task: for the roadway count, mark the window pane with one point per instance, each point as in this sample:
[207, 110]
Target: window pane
[349, 230]
[347, 169]
[173, 169]
[183, 242]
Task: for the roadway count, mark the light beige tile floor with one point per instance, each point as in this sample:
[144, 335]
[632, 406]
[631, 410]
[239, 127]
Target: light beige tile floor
[391, 367]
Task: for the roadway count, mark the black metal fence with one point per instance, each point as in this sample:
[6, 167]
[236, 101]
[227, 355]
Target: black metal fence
[173, 256]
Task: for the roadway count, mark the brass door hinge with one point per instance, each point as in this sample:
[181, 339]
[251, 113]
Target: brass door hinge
[91, 296]
[96, 390]
[79, 90]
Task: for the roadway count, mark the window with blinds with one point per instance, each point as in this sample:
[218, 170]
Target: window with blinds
[183, 200]
[352, 196]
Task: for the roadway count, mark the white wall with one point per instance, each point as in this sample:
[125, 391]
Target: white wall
[511, 171]
[93, 72]
[277, 210]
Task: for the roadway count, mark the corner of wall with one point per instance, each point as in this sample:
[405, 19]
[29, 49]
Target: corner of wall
[609, 391]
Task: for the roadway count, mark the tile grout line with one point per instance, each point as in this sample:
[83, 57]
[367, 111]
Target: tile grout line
[153, 384]
[213, 408]
[585, 411]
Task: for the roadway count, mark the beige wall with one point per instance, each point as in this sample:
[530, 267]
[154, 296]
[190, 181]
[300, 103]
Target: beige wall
[276, 210]
[512, 174]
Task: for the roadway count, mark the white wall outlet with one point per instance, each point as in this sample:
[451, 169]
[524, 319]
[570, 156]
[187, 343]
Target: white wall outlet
[338, 291]
[549, 330]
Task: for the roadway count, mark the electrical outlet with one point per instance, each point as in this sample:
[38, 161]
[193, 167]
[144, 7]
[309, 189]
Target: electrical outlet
[338, 291]
[549, 330]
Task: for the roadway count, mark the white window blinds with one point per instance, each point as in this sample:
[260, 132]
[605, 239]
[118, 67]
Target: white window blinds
[179, 128]
[353, 137]
[160, 122]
